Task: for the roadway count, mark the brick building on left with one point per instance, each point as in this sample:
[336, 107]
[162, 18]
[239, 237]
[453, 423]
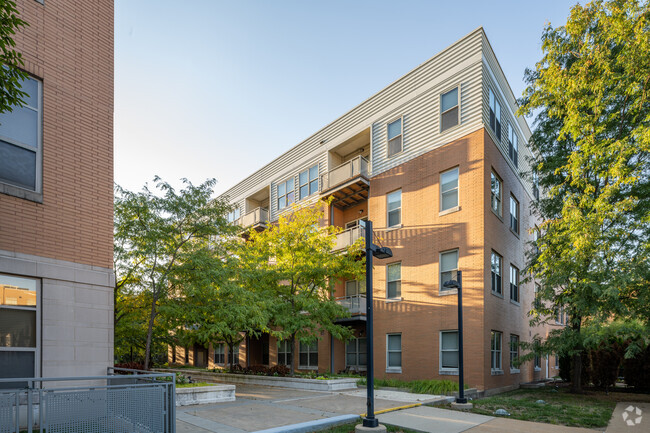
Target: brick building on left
[56, 195]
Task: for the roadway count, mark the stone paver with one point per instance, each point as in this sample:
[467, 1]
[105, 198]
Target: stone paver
[431, 419]
[402, 396]
[500, 425]
[618, 424]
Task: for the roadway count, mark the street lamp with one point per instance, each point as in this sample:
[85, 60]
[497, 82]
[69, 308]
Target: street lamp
[380, 253]
[458, 284]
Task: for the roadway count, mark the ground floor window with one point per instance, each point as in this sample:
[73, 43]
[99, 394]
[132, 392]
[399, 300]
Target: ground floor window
[394, 352]
[356, 354]
[220, 353]
[449, 350]
[284, 353]
[308, 355]
[495, 350]
[514, 351]
[233, 357]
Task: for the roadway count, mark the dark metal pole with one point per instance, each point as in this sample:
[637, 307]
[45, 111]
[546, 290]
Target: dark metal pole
[461, 379]
[369, 420]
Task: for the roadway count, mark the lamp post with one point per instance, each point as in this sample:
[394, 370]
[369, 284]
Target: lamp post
[458, 284]
[381, 253]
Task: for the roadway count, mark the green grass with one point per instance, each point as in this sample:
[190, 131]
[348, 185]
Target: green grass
[192, 385]
[349, 428]
[437, 387]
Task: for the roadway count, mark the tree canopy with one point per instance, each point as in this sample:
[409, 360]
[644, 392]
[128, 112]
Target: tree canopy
[11, 76]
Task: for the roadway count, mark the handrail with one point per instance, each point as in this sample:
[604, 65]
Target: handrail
[357, 166]
[258, 215]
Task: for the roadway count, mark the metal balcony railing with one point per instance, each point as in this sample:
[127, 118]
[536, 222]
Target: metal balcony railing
[348, 237]
[348, 170]
[354, 304]
[256, 217]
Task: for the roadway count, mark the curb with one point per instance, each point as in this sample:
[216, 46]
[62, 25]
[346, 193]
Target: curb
[311, 426]
[408, 406]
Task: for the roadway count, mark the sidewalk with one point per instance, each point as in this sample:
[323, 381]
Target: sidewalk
[625, 417]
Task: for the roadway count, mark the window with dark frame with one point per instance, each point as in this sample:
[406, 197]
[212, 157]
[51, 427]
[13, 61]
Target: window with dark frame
[513, 146]
[394, 131]
[496, 273]
[449, 112]
[308, 355]
[495, 350]
[356, 353]
[495, 193]
[220, 353]
[284, 353]
[308, 182]
[233, 357]
[514, 283]
[495, 115]
[514, 214]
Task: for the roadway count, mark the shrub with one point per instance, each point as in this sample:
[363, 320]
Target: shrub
[565, 368]
[605, 363]
[279, 370]
[130, 365]
[637, 371]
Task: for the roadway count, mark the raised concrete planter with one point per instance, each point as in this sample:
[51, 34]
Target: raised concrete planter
[283, 382]
[205, 394]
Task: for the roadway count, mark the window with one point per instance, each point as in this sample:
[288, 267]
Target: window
[537, 302]
[495, 351]
[361, 222]
[394, 204]
[285, 194]
[393, 281]
[395, 137]
[496, 273]
[535, 185]
[449, 114]
[355, 288]
[557, 361]
[187, 355]
[513, 146]
[514, 284]
[284, 352]
[233, 357]
[495, 193]
[21, 140]
[537, 362]
[448, 267]
[535, 239]
[514, 214]
[514, 351]
[356, 354]
[560, 317]
[394, 352]
[495, 115]
[449, 189]
[308, 180]
[449, 350]
[308, 355]
[233, 215]
[220, 353]
[20, 328]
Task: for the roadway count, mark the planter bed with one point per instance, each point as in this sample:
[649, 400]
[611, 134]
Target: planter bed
[204, 394]
[284, 382]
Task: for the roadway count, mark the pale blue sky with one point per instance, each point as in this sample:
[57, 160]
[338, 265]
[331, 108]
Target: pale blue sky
[218, 89]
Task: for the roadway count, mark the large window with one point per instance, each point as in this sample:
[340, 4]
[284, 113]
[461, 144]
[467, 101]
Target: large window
[394, 352]
[286, 195]
[449, 350]
[449, 189]
[220, 353]
[495, 262]
[394, 281]
[513, 146]
[514, 284]
[394, 205]
[284, 353]
[308, 355]
[448, 267]
[233, 357]
[20, 140]
[308, 180]
[514, 214]
[20, 332]
[233, 215]
[449, 113]
[356, 354]
[495, 115]
[495, 193]
[495, 351]
[394, 137]
[514, 352]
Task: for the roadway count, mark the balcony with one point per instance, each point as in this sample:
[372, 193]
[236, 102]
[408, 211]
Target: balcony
[255, 219]
[348, 183]
[348, 237]
[356, 305]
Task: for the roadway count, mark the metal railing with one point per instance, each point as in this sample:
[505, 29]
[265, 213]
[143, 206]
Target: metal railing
[354, 304]
[348, 170]
[257, 216]
[122, 401]
[348, 237]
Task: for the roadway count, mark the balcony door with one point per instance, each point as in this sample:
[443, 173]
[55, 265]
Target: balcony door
[361, 222]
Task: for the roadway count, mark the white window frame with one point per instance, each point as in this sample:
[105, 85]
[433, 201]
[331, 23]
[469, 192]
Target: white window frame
[451, 89]
[399, 281]
[514, 354]
[441, 271]
[221, 352]
[284, 348]
[515, 213]
[496, 198]
[537, 362]
[234, 355]
[514, 285]
[233, 215]
[356, 223]
[309, 352]
[456, 189]
[496, 353]
[38, 308]
[399, 209]
[309, 182]
[499, 276]
[400, 135]
[496, 110]
[286, 193]
[447, 370]
[389, 368]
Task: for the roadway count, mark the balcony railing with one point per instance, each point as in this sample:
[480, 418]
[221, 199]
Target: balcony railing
[256, 217]
[356, 304]
[347, 171]
[348, 237]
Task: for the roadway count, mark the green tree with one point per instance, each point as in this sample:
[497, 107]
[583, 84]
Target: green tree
[291, 265]
[158, 235]
[592, 144]
[11, 76]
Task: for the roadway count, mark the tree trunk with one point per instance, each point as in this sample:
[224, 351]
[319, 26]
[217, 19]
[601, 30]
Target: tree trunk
[152, 317]
[576, 375]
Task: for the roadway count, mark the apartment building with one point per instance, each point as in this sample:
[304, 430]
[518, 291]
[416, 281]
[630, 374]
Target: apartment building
[56, 195]
[435, 160]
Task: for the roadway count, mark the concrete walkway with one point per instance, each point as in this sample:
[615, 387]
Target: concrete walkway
[630, 418]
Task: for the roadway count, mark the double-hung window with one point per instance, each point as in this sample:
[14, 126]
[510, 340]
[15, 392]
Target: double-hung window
[233, 215]
[286, 195]
[495, 193]
[356, 354]
[394, 131]
[308, 180]
[535, 185]
[393, 281]
[220, 353]
[448, 267]
[20, 329]
[284, 353]
[449, 350]
[514, 214]
[449, 113]
[394, 205]
[513, 146]
[496, 273]
[449, 189]
[495, 115]
[233, 357]
[394, 353]
[495, 351]
[308, 355]
[21, 132]
[514, 284]
[514, 352]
